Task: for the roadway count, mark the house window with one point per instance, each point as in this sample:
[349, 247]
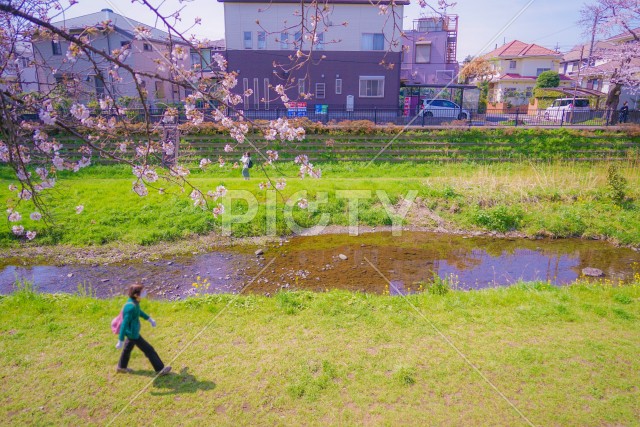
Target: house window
[125, 43]
[423, 53]
[195, 61]
[371, 87]
[373, 41]
[245, 88]
[320, 90]
[512, 65]
[301, 86]
[248, 41]
[284, 40]
[509, 92]
[338, 86]
[56, 48]
[159, 90]
[24, 62]
[541, 70]
[147, 47]
[266, 93]
[320, 44]
[297, 40]
[256, 93]
[444, 75]
[529, 92]
[262, 40]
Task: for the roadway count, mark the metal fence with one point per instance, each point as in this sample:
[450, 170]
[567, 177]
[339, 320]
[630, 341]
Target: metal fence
[397, 116]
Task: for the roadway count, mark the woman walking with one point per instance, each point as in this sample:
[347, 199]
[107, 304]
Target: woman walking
[246, 164]
[130, 329]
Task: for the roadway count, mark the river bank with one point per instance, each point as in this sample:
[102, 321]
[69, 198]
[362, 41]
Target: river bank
[560, 355]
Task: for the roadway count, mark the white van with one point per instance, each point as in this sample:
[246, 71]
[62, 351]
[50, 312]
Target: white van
[562, 106]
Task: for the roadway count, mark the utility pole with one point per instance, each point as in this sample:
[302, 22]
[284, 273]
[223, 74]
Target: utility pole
[573, 102]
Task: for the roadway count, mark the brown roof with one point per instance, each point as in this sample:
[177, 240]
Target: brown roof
[520, 49]
[625, 35]
[574, 54]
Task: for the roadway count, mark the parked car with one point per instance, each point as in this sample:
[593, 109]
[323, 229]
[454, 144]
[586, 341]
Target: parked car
[562, 106]
[442, 108]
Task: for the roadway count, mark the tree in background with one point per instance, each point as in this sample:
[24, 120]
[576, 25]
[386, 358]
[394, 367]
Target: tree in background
[548, 79]
[481, 72]
[616, 17]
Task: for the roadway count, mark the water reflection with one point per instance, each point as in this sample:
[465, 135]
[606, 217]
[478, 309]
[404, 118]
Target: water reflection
[313, 263]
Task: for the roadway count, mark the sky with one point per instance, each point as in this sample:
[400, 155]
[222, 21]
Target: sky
[482, 23]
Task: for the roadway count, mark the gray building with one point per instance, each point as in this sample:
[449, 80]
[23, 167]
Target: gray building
[86, 78]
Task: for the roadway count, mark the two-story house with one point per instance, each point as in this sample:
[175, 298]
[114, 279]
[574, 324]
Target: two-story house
[20, 69]
[355, 60]
[85, 81]
[430, 51]
[594, 73]
[517, 66]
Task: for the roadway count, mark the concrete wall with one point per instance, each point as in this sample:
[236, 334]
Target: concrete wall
[278, 17]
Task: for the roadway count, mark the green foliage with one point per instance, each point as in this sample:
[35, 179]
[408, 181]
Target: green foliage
[616, 185]
[374, 356]
[548, 79]
[501, 218]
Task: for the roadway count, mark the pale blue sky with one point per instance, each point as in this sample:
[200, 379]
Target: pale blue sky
[549, 23]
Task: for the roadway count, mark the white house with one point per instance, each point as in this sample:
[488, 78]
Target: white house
[86, 81]
[517, 66]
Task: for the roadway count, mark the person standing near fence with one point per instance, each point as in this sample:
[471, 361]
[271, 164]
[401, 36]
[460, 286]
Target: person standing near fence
[246, 164]
[624, 113]
[130, 334]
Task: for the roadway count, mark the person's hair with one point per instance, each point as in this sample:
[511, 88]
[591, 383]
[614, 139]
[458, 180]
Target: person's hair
[135, 290]
[248, 154]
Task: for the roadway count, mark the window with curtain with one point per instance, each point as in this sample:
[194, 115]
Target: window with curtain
[373, 41]
[262, 40]
[248, 41]
[371, 87]
[423, 53]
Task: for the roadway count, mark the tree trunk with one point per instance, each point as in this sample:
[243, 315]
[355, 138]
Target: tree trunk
[613, 98]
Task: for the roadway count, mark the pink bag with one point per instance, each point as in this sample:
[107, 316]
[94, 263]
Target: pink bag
[116, 323]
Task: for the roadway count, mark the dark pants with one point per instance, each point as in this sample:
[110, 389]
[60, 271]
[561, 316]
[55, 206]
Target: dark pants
[146, 348]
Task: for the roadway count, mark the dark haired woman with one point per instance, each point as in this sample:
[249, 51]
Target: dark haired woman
[246, 164]
[130, 329]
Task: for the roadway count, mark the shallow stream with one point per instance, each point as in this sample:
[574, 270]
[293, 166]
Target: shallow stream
[315, 263]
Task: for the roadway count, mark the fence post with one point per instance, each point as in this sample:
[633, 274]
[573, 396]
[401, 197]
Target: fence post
[562, 119]
[517, 115]
[375, 115]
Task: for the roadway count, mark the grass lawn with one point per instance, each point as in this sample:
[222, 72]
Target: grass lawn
[559, 199]
[562, 356]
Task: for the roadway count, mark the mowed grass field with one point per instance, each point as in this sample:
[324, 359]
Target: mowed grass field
[561, 356]
[557, 199]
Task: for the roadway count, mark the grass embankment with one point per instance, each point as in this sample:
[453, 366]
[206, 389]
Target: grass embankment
[562, 356]
[550, 199]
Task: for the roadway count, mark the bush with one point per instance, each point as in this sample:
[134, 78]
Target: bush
[548, 79]
[501, 218]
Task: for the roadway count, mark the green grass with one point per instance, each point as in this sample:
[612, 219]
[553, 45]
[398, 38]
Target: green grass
[562, 356]
[550, 199]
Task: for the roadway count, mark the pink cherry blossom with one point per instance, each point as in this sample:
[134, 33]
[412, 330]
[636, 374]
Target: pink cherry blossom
[31, 235]
[79, 209]
[35, 216]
